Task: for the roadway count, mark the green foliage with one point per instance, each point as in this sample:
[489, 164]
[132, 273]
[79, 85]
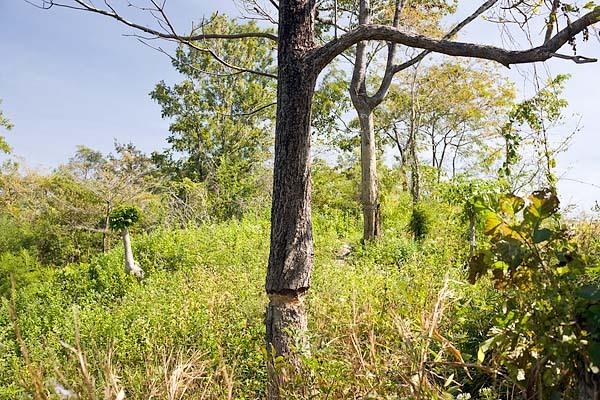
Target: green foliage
[331, 102]
[62, 217]
[539, 337]
[4, 123]
[221, 119]
[538, 114]
[21, 266]
[207, 300]
[124, 217]
[335, 187]
[373, 309]
[420, 222]
[454, 109]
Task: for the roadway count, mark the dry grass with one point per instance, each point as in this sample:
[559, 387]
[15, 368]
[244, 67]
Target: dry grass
[182, 372]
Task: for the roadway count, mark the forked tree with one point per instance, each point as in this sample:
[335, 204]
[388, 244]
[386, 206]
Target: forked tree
[365, 103]
[300, 60]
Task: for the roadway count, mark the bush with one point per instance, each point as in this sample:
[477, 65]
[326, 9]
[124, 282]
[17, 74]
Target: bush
[547, 335]
[420, 222]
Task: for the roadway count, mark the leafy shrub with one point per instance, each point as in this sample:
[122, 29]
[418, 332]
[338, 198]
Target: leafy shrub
[548, 331]
[420, 222]
[124, 217]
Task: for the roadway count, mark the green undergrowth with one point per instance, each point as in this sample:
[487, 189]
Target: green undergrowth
[384, 318]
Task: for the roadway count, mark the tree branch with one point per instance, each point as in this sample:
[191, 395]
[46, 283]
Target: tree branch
[112, 13]
[323, 55]
[484, 7]
[391, 70]
[330, 22]
[551, 20]
[576, 59]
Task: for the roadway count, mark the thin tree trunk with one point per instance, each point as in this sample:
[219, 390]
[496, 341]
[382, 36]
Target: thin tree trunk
[369, 184]
[130, 265]
[291, 256]
[415, 186]
[368, 155]
[106, 231]
[414, 129]
[472, 242]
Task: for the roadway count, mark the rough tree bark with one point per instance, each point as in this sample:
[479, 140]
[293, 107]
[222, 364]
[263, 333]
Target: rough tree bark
[291, 255]
[588, 385]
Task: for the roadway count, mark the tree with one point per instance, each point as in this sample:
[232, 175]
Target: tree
[218, 114]
[111, 180]
[526, 133]
[4, 123]
[221, 120]
[422, 17]
[121, 219]
[300, 60]
[459, 109]
[366, 103]
[62, 216]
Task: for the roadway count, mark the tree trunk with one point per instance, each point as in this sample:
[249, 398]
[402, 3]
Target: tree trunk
[415, 186]
[106, 231]
[368, 156]
[472, 242]
[130, 265]
[369, 184]
[588, 385]
[291, 256]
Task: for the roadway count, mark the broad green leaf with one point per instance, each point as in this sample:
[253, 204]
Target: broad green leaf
[480, 355]
[492, 222]
[543, 203]
[510, 251]
[485, 346]
[589, 292]
[594, 352]
[511, 204]
[542, 235]
[480, 204]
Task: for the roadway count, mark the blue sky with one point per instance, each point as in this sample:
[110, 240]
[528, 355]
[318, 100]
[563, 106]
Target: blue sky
[69, 78]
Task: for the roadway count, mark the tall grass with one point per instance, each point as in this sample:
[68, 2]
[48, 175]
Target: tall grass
[383, 318]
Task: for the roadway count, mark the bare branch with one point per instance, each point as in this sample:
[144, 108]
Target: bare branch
[392, 69]
[189, 65]
[226, 64]
[331, 23]
[575, 59]
[84, 6]
[249, 113]
[551, 20]
[253, 7]
[484, 7]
